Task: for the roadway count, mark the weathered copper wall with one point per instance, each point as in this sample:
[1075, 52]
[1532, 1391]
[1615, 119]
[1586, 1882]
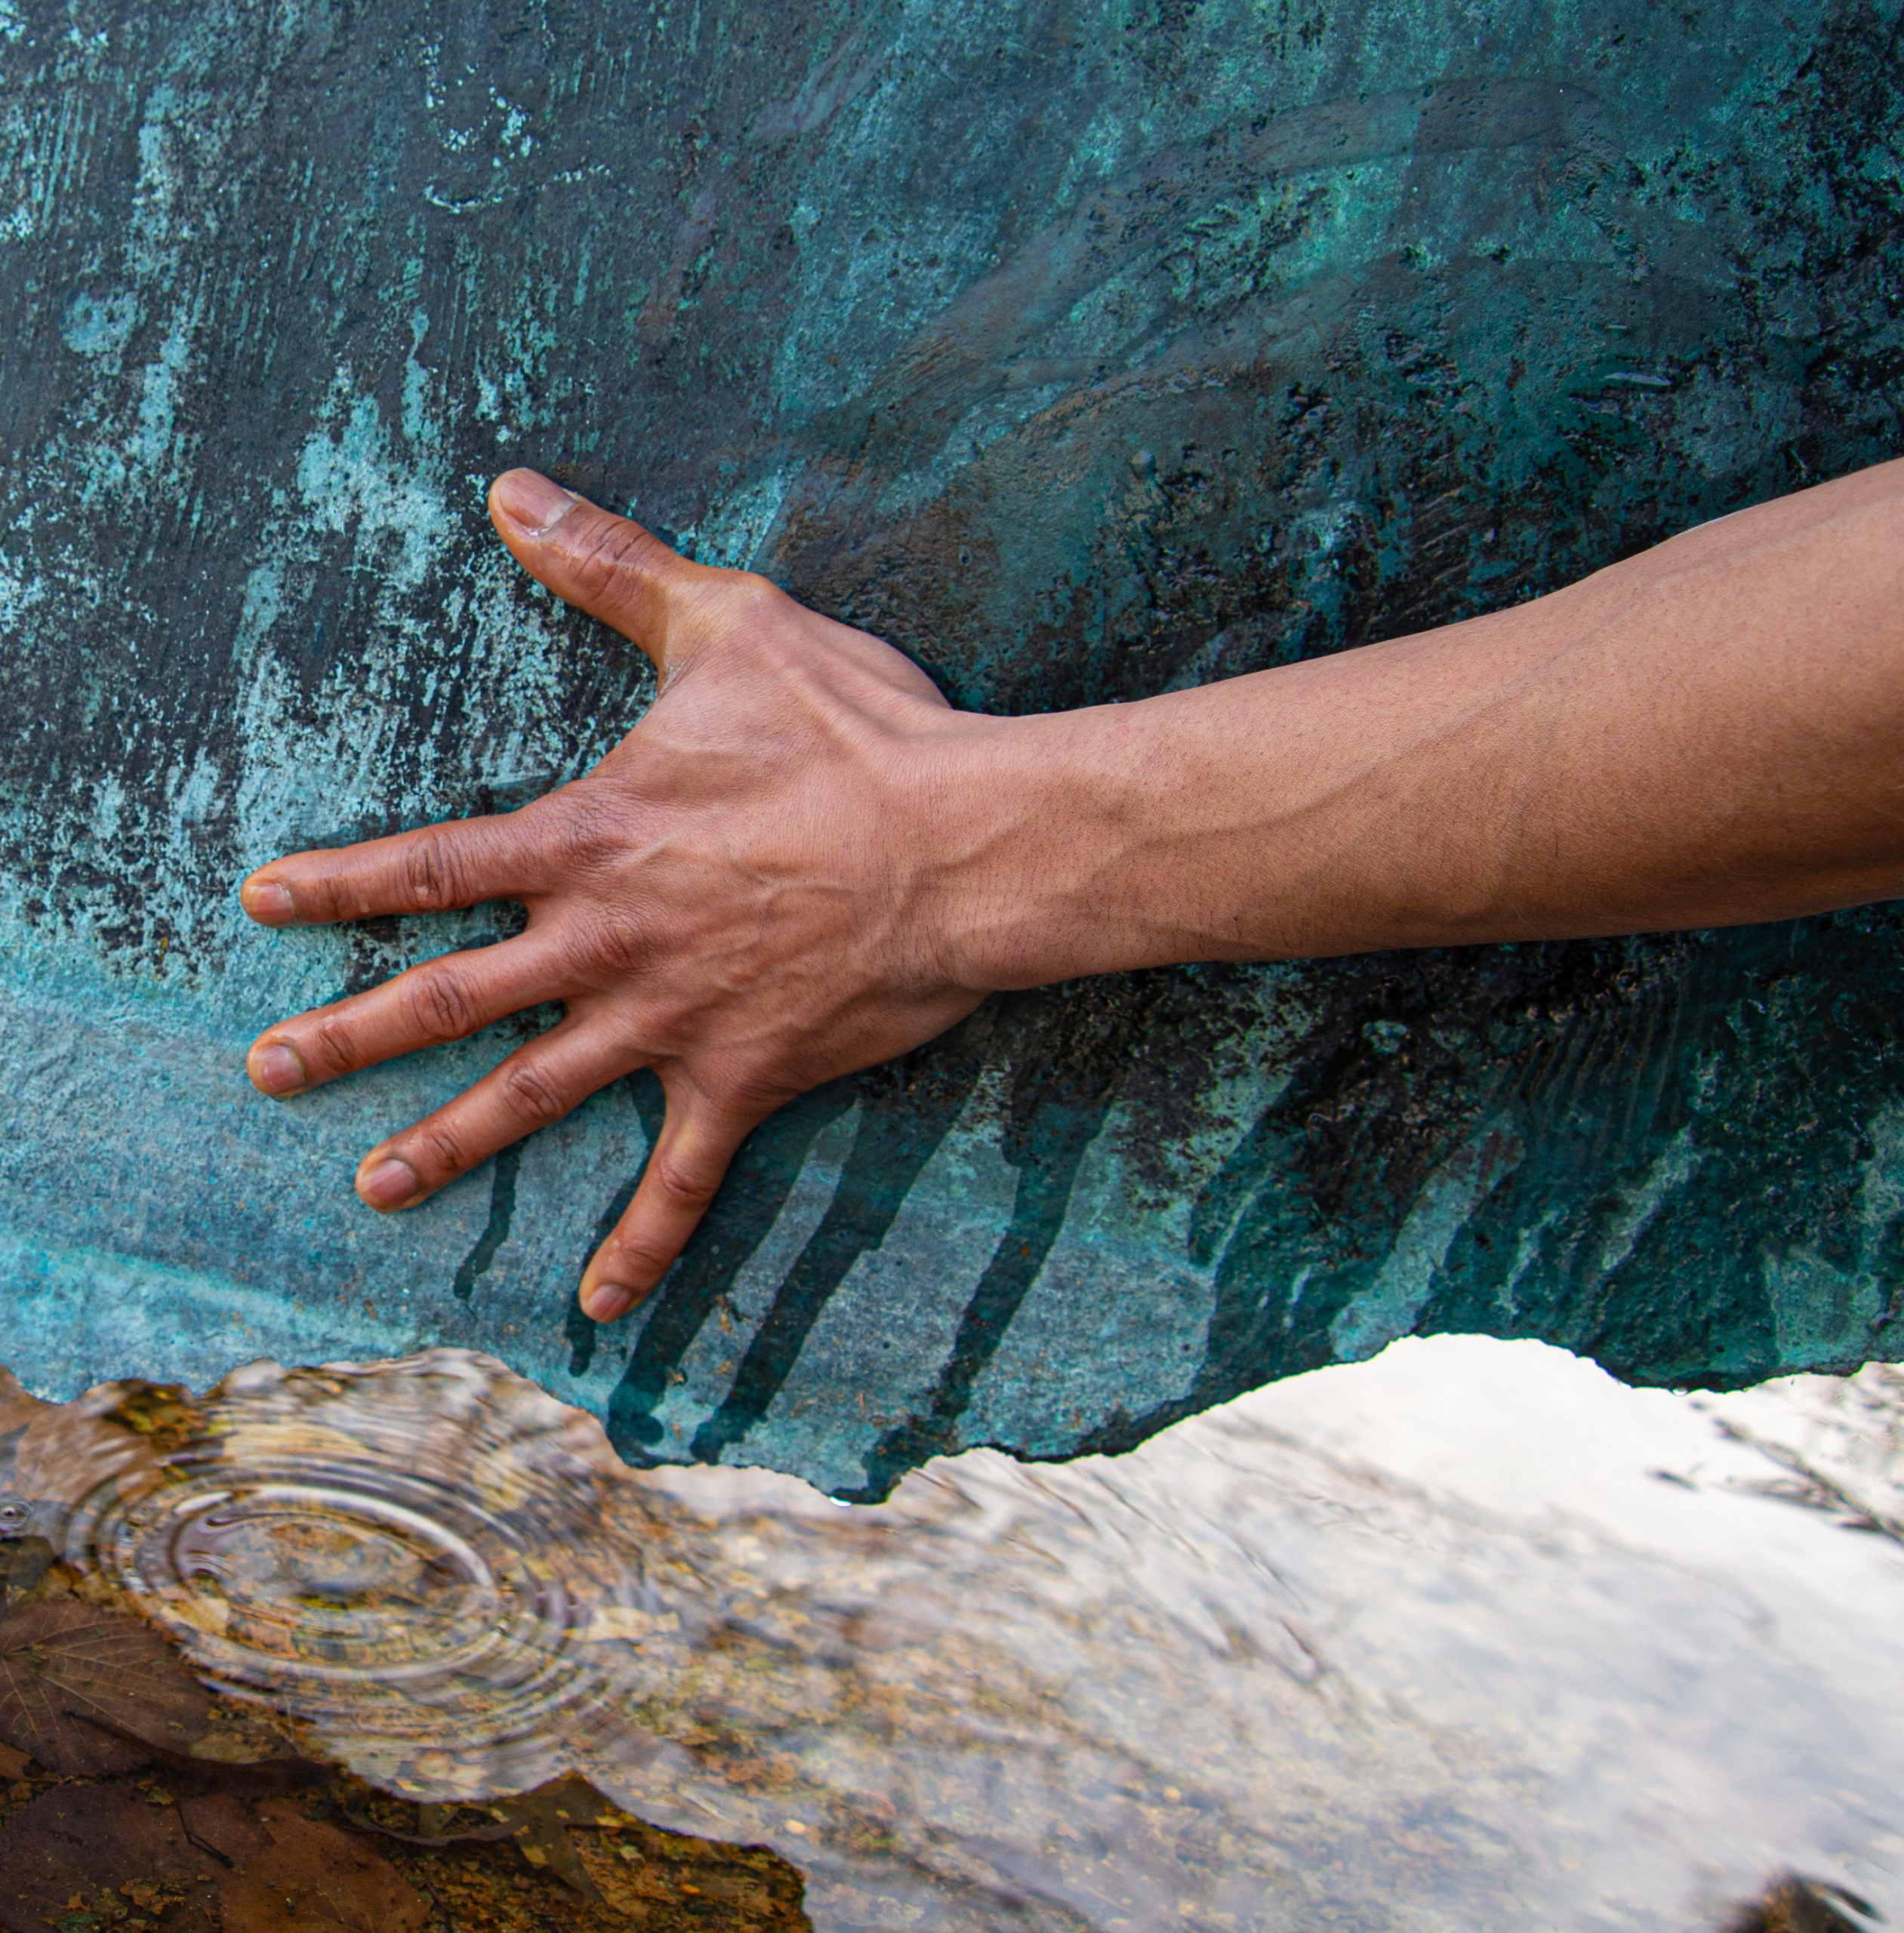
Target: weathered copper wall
[1081, 349]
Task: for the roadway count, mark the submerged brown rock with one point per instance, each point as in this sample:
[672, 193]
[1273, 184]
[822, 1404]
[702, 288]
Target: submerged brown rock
[140, 1856]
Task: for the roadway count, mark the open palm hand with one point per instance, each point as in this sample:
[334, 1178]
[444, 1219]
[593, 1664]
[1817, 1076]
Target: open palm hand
[733, 898]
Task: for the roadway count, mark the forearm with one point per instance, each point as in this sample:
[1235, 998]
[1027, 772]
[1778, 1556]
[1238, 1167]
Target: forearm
[1707, 734]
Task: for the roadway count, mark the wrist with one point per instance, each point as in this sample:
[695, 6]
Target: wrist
[1026, 845]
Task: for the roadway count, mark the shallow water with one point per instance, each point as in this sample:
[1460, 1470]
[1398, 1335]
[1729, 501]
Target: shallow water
[1470, 1635]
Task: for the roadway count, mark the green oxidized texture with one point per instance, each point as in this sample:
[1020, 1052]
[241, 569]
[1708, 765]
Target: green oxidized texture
[1082, 349]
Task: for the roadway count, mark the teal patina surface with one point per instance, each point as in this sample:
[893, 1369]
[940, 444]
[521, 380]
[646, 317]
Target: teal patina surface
[1083, 350]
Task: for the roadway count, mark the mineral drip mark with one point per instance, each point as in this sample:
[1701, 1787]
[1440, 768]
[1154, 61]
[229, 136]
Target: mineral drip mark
[757, 1189]
[898, 1135]
[502, 1213]
[1044, 1197]
[1070, 1066]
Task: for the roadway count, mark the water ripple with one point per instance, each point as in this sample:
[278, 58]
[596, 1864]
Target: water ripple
[1422, 1642]
[415, 1561]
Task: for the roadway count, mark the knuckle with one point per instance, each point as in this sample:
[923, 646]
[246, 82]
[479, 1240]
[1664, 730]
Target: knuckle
[611, 560]
[741, 1094]
[749, 1101]
[686, 1184]
[579, 832]
[440, 1153]
[440, 1002]
[615, 946]
[432, 875]
[600, 938]
[740, 604]
[668, 1020]
[531, 1095]
[334, 1045]
[753, 597]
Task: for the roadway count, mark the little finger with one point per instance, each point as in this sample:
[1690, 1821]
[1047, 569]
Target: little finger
[685, 1170]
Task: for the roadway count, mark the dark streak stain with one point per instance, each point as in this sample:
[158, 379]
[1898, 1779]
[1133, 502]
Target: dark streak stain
[901, 1125]
[1047, 1171]
[757, 1188]
[502, 1209]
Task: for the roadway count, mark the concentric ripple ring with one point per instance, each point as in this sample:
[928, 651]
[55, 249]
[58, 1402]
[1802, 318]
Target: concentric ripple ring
[406, 1560]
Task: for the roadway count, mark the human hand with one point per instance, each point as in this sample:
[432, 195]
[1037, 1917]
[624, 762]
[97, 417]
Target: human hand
[735, 897]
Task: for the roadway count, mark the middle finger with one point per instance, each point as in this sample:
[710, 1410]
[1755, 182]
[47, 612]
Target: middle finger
[444, 999]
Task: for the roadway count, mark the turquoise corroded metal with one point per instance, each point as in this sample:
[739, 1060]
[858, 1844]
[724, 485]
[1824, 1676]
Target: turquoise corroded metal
[1083, 350]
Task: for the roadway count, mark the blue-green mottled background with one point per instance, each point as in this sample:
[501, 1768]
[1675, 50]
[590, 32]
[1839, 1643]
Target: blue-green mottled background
[1083, 350]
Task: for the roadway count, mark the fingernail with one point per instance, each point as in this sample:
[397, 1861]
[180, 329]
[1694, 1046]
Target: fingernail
[530, 502]
[276, 1069]
[390, 1182]
[607, 1302]
[265, 900]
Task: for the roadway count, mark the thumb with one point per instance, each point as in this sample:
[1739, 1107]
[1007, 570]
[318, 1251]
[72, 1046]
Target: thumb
[685, 1170]
[605, 565]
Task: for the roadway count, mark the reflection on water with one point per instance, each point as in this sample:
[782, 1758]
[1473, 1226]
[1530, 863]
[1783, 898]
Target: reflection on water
[1467, 1636]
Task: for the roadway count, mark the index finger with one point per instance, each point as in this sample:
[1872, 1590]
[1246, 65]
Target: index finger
[433, 870]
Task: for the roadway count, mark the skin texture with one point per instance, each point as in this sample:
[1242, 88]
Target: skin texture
[802, 861]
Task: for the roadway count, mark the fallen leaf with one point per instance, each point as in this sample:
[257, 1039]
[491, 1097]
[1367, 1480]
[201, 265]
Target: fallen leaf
[436, 1827]
[88, 1842]
[23, 1562]
[68, 1450]
[282, 1873]
[539, 1822]
[89, 1691]
[241, 1749]
[161, 1411]
[625, 1886]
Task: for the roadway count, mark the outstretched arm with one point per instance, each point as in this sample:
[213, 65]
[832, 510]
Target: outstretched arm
[1707, 734]
[802, 861]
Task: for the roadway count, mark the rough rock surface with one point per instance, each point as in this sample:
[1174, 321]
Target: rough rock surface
[1082, 348]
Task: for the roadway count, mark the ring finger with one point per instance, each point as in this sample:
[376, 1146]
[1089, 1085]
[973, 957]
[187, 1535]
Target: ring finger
[538, 1083]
